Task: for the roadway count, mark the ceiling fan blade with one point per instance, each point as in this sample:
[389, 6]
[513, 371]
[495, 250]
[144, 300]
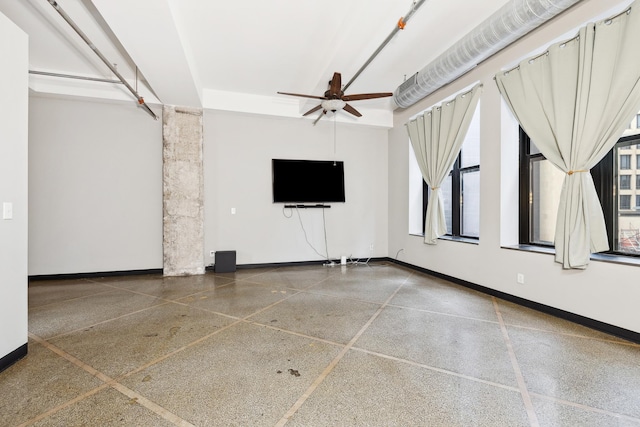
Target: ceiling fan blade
[335, 85]
[320, 116]
[313, 110]
[349, 109]
[362, 96]
[304, 96]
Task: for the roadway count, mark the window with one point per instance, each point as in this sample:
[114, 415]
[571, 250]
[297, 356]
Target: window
[541, 183]
[461, 185]
[539, 201]
[625, 161]
[625, 182]
[637, 161]
[625, 201]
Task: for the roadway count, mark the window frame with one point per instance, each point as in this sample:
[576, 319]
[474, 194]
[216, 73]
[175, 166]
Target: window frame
[627, 164]
[606, 182]
[626, 178]
[627, 206]
[457, 172]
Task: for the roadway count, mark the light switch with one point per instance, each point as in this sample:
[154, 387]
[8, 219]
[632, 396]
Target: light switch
[233, 211]
[7, 210]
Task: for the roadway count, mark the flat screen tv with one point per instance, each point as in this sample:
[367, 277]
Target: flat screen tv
[307, 181]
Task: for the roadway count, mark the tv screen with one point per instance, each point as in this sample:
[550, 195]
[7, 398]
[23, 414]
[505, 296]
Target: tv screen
[307, 181]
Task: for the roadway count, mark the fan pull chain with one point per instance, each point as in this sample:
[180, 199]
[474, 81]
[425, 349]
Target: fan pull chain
[334, 135]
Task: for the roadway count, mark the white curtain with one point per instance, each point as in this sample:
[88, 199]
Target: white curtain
[436, 137]
[574, 102]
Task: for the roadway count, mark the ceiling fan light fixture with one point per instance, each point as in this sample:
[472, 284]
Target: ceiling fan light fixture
[333, 104]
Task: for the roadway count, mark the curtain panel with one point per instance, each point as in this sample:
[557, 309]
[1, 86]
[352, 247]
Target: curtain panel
[575, 101]
[436, 137]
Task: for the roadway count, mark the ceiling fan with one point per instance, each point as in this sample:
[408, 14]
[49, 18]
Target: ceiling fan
[334, 99]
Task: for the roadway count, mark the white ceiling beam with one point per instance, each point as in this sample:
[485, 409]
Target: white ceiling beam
[148, 32]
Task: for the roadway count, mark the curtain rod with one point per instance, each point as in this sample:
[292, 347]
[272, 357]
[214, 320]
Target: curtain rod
[562, 44]
[463, 94]
[628, 11]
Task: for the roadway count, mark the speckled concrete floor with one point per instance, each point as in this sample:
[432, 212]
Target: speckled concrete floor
[373, 345]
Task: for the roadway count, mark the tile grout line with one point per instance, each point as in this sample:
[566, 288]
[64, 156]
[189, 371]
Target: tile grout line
[64, 405]
[201, 339]
[386, 356]
[37, 307]
[133, 291]
[309, 290]
[162, 302]
[439, 370]
[586, 408]
[585, 337]
[298, 404]
[524, 392]
[110, 320]
[113, 383]
[108, 382]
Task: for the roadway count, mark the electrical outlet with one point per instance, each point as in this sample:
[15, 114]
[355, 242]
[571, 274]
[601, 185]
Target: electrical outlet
[212, 253]
[7, 210]
[371, 247]
[520, 278]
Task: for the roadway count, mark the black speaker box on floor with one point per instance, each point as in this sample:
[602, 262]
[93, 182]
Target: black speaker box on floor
[225, 262]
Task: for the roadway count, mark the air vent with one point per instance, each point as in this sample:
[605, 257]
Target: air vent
[409, 82]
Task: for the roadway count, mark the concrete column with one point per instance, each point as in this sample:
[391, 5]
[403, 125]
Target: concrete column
[183, 219]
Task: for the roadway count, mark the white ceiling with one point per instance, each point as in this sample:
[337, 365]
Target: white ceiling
[236, 55]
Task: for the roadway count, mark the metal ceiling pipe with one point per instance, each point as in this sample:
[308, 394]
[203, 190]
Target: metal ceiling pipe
[511, 22]
[113, 69]
[400, 26]
[71, 76]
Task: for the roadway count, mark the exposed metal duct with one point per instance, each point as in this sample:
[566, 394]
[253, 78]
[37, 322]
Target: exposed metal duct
[113, 69]
[508, 24]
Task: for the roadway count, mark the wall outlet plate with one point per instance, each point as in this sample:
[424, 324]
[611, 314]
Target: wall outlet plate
[212, 253]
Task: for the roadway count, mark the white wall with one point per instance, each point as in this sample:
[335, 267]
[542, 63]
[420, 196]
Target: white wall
[238, 149]
[14, 50]
[95, 187]
[606, 292]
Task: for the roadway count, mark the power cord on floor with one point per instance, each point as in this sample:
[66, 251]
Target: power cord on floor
[329, 261]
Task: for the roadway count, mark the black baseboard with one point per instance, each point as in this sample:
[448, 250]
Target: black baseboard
[94, 275]
[294, 264]
[13, 357]
[562, 314]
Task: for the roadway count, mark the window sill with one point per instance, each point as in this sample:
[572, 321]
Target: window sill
[610, 258]
[460, 239]
[452, 239]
